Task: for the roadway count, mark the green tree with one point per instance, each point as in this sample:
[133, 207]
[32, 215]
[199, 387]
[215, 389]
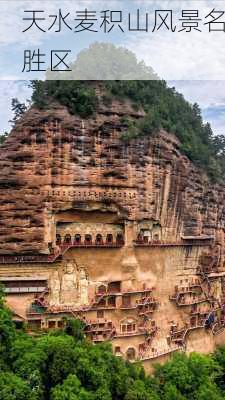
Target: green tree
[13, 387]
[18, 110]
[208, 391]
[39, 95]
[187, 376]
[75, 328]
[7, 331]
[170, 392]
[219, 357]
[219, 145]
[70, 389]
[3, 137]
[139, 391]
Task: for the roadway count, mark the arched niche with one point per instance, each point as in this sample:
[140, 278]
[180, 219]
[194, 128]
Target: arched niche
[99, 239]
[67, 239]
[128, 325]
[130, 354]
[109, 238]
[58, 239]
[77, 239]
[88, 239]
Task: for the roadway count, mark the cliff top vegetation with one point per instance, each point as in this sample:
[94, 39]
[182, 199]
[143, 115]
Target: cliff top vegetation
[164, 107]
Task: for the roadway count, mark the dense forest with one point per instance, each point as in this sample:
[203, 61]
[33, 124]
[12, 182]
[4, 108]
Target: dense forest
[63, 365]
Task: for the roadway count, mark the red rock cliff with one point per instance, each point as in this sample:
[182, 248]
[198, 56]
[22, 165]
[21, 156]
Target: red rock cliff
[53, 161]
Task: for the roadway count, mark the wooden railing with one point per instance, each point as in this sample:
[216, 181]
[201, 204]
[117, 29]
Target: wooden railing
[38, 258]
[148, 355]
[160, 243]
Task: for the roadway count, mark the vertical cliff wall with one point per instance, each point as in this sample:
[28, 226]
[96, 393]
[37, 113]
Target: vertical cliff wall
[128, 236]
[52, 160]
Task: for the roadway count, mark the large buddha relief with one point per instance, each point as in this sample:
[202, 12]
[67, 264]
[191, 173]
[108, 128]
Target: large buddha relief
[54, 298]
[69, 286]
[83, 286]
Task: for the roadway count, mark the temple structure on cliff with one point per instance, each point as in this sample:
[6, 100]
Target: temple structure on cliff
[128, 237]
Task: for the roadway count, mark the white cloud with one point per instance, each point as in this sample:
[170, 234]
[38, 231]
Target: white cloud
[207, 93]
[210, 95]
[173, 56]
[12, 14]
[181, 55]
[197, 55]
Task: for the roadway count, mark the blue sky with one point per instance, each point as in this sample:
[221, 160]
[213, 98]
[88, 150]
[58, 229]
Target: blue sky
[210, 95]
[178, 55]
[194, 62]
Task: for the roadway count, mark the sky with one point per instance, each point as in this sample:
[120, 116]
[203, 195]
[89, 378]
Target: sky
[210, 95]
[178, 55]
[192, 62]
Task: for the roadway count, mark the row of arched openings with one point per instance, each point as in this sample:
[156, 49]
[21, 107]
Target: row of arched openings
[141, 238]
[130, 353]
[89, 240]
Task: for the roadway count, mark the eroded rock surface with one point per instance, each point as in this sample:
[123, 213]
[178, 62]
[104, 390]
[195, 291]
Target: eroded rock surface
[129, 235]
[54, 161]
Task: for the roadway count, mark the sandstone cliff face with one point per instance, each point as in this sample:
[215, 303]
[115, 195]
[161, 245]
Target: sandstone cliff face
[53, 161]
[61, 175]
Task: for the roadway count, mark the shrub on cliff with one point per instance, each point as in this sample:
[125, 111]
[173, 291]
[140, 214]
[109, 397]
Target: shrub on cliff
[76, 96]
[3, 137]
[164, 106]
